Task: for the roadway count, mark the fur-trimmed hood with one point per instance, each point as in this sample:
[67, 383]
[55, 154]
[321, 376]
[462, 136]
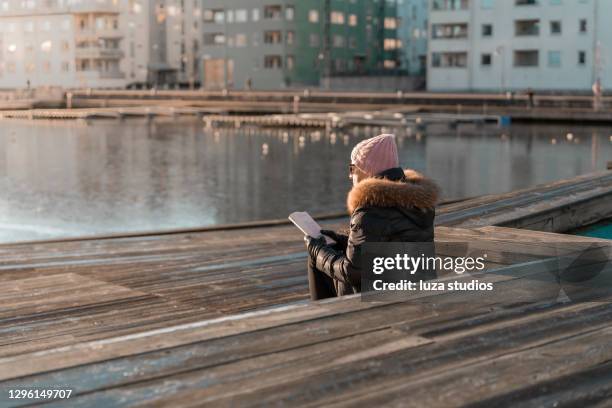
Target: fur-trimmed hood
[415, 191]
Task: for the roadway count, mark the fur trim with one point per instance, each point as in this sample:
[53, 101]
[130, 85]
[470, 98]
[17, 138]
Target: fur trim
[419, 192]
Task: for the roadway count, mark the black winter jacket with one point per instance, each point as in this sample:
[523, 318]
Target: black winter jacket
[395, 206]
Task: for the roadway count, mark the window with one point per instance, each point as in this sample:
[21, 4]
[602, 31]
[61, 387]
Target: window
[389, 64]
[458, 30]
[289, 13]
[65, 66]
[272, 37]
[352, 20]
[290, 37]
[392, 44]
[214, 16]
[45, 46]
[272, 61]
[339, 65]
[313, 16]
[554, 59]
[583, 26]
[337, 17]
[390, 23]
[526, 28]
[289, 62]
[272, 12]
[487, 30]
[450, 4]
[486, 4]
[449, 59]
[65, 46]
[241, 40]
[314, 40]
[581, 57]
[241, 15]
[214, 39]
[338, 41]
[46, 66]
[526, 58]
[555, 27]
[255, 15]
[352, 43]
[486, 60]
[526, 2]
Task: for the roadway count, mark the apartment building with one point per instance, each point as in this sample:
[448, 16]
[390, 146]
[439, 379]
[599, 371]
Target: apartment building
[413, 19]
[513, 45]
[99, 43]
[60, 43]
[271, 44]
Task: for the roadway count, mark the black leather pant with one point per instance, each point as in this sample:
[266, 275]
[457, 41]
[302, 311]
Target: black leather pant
[321, 286]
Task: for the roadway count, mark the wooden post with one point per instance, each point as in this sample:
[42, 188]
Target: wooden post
[296, 104]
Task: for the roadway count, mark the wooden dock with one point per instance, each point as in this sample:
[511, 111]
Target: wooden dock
[220, 316]
[101, 113]
[548, 108]
[341, 120]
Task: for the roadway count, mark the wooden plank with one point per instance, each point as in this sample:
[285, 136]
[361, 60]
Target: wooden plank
[438, 374]
[307, 368]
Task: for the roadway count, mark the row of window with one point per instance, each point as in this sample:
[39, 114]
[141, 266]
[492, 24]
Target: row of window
[521, 58]
[449, 5]
[339, 64]
[29, 26]
[30, 67]
[522, 28]
[45, 46]
[276, 37]
[275, 12]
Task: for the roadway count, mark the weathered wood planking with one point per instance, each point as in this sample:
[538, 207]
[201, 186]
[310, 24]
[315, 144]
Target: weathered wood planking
[555, 207]
[184, 290]
[340, 351]
[193, 276]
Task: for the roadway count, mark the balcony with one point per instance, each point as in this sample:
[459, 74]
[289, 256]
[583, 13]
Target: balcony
[96, 75]
[98, 53]
[88, 33]
[527, 28]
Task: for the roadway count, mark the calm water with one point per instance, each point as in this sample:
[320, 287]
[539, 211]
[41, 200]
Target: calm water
[601, 230]
[71, 178]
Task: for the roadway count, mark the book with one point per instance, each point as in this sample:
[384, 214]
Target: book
[308, 225]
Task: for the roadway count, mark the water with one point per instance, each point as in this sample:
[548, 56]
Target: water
[601, 230]
[61, 179]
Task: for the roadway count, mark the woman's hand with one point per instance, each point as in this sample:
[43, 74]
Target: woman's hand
[314, 244]
[341, 239]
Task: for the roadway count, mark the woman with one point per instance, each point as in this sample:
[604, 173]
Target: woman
[386, 203]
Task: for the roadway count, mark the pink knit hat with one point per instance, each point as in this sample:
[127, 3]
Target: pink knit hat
[375, 155]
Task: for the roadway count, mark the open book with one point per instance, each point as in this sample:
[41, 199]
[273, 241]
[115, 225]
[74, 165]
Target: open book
[308, 226]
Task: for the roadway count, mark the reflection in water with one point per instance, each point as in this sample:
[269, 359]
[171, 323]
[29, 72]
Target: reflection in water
[73, 178]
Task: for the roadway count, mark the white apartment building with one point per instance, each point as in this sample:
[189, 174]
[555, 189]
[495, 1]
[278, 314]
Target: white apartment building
[513, 45]
[66, 43]
[98, 43]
